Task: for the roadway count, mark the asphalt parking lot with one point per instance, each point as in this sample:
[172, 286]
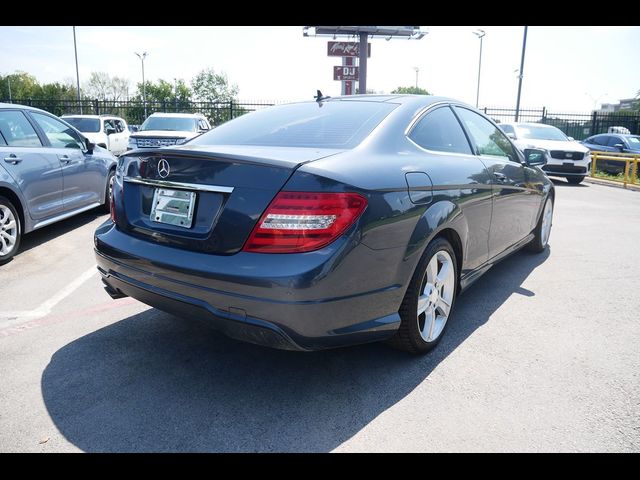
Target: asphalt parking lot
[543, 354]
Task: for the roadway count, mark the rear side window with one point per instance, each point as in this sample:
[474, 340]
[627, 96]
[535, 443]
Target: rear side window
[332, 124]
[439, 130]
[613, 141]
[598, 140]
[17, 131]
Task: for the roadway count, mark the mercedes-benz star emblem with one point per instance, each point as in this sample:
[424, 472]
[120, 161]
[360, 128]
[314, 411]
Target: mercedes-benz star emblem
[163, 168]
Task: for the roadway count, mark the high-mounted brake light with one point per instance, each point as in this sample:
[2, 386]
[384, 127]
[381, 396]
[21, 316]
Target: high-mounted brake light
[304, 221]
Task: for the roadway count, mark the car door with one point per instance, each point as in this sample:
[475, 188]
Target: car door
[448, 160]
[34, 168]
[121, 136]
[516, 201]
[82, 176]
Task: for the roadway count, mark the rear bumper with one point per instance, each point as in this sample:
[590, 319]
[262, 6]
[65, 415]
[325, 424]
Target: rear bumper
[301, 302]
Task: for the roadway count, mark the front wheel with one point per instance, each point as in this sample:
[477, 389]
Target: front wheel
[429, 300]
[575, 180]
[10, 232]
[543, 228]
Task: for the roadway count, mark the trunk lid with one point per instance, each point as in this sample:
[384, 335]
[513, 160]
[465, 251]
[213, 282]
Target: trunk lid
[233, 186]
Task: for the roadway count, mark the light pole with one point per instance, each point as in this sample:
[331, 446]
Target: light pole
[595, 100]
[75, 49]
[524, 48]
[417, 70]
[144, 89]
[480, 34]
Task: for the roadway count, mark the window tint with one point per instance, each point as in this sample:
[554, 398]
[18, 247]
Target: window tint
[613, 141]
[507, 128]
[599, 140]
[488, 138]
[17, 131]
[439, 130]
[119, 125]
[331, 124]
[59, 134]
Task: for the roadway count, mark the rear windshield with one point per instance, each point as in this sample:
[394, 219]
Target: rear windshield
[170, 123]
[86, 125]
[333, 124]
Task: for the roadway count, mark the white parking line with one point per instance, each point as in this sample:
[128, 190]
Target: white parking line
[9, 319]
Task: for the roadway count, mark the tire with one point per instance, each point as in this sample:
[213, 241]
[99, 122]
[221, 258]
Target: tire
[575, 180]
[541, 239]
[106, 206]
[416, 334]
[10, 230]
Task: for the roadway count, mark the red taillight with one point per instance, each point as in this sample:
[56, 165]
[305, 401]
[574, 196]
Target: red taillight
[301, 221]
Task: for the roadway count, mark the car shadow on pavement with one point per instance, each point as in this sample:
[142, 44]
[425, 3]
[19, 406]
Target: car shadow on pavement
[153, 382]
[55, 230]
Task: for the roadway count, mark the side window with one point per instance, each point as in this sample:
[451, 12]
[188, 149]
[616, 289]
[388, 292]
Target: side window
[439, 130]
[507, 129]
[119, 125]
[108, 124]
[202, 124]
[59, 135]
[17, 131]
[598, 140]
[613, 141]
[488, 138]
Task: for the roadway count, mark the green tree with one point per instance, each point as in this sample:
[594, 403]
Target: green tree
[411, 91]
[23, 86]
[209, 86]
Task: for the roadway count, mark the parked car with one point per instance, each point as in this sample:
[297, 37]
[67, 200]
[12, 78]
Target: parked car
[49, 172]
[167, 129]
[618, 129]
[105, 131]
[566, 157]
[614, 143]
[319, 224]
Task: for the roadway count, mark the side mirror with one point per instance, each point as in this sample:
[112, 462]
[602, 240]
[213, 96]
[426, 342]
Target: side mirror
[535, 156]
[110, 130]
[619, 146]
[511, 135]
[90, 145]
[571, 139]
[133, 128]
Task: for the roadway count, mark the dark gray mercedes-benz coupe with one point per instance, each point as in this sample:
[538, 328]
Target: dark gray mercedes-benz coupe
[325, 223]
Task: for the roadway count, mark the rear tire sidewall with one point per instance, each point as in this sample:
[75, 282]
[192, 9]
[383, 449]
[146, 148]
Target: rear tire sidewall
[106, 206]
[408, 337]
[7, 203]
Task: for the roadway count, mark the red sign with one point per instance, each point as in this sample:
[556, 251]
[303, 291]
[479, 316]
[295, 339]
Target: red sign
[346, 49]
[345, 72]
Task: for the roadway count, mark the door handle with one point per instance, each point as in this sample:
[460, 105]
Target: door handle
[13, 159]
[501, 177]
[64, 158]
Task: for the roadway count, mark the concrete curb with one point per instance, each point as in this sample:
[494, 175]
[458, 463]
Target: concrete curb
[609, 183]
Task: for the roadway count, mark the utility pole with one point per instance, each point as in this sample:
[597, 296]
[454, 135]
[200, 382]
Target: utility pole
[417, 70]
[9, 82]
[144, 88]
[75, 49]
[362, 75]
[524, 48]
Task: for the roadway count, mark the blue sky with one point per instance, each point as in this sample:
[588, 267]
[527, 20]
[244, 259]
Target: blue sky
[566, 68]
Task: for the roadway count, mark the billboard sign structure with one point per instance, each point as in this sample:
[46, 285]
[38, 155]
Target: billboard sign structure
[345, 72]
[346, 49]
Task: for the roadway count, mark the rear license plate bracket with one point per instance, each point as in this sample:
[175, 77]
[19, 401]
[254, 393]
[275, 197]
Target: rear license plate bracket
[173, 207]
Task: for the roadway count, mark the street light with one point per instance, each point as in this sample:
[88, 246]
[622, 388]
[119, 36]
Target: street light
[480, 34]
[417, 70]
[144, 90]
[524, 49]
[75, 49]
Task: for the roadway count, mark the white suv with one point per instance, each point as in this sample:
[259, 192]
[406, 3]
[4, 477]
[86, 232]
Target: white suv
[566, 157]
[166, 129]
[105, 131]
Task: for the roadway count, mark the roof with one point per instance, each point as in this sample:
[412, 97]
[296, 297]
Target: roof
[18, 105]
[186, 115]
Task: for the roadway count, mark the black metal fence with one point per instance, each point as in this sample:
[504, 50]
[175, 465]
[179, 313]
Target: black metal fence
[133, 111]
[576, 125]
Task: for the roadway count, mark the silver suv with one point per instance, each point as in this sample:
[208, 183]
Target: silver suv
[48, 172]
[167, 129]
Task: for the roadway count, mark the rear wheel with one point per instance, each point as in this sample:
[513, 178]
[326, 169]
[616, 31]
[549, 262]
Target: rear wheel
[10, 232]
[575, 180]
[429, 299]
[106, 206]
[543, 228]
